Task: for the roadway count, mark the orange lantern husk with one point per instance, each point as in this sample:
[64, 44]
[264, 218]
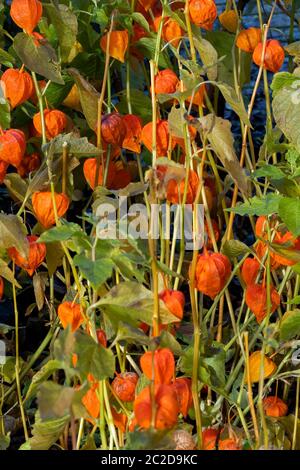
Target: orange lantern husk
[274, 55]
[159, 364]
[162, 137]
[55, 122]
[35, 257]
[69, 313]
[203, 13]
[12, 147]
[171, 31]
[174, 301]
[1, 288]
[113, 129]
[182, 386]
[17, 85]
[254, 366]
[248, 39]
[256, 300]
[274, 407]
[43, 207]
[132, 140]
[212, 273]
[124, 386]
[90, 170]
[118, 44]
[250, 270]
[26, 14]
[166, 407]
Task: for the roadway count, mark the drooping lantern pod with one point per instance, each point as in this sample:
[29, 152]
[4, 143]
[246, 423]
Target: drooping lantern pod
[132, 140]
[228, 444]
[101, 336]
[35, 257]
[162, 137]
[26, 14]
[171, 30]
[256, 300]
[166, 81]
[250, 270]
[209, 438]
[254, 366]
[183, 389]
[91, 400]
[17, 86]
[229, 20]
[274, 407]
[29, 164]
[274, 55]
[1, 288]
[55, 122]
[248, 39]
[175, 190]
[212, 273]
[43, 207]
[166, 407]
[121, 179]
[147, 4]
[69, 313]
[198, 98]
[159, 365]
[72, 100]
[90, 171]
[118, 44]
[174, 301]
[12, 146]
[183, 440]
[203, 13]
[292, 243]
[124, 386]
[113, 129]
[120, 420]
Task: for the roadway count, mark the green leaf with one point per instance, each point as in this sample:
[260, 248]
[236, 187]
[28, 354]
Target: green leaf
[140, 102]
[40, 59]
[6, 59]
[130, 302]
[209, 57]
[13, 233]
[235, 248]
[268, 171]
[8, 370]
[62, 233]
[286, 109]
[147, 46]
[54, 400]
[93, 358]
[17, 187]
[234, 101]
[289, 212]
[295, 300]
[55, 93]
[141, 20]
[77, 146]
[89, 98]
[292, 49]
[66, 27]
[131, 335]
[43, 374]
[5, 117]
[266, 205]
[281, 80]
[290, 325]
[149, 440]
[218, 132]
[97, 272]
[167, 340]
[54, 257]
[45, 433]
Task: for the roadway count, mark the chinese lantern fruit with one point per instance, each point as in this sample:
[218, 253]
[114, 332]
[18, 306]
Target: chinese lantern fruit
[171, 31]
[55, 122]
[118, 44]
[229, 20]
[113, 129]
[124, 386]
[274, 55]
[159, 364]
[132, 140]
[274, 406]
[18, 86]
[174, 301]
[69, 313]
[162, 137]
[166, 81]
[26, 14]
[256, 300]
[90, 170]
[43, 207]
[203, 13]
[166, 407]
[250, 270]
[35, 257]
[12, 146]
[248, 39]
[254, 366]
[212, 273]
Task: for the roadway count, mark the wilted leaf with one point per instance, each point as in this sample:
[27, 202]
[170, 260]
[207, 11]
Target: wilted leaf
[218, 132]
[209, 57]
[77, 146]
[38, 58]
[234, 101]
[43, 374]
[286, 109]
[40, 281]
[17, 188]
[54, 257]
[45, 432]
[13, 233]
[290, 325]
[7, 273]
[66, 27]
[89, 98]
